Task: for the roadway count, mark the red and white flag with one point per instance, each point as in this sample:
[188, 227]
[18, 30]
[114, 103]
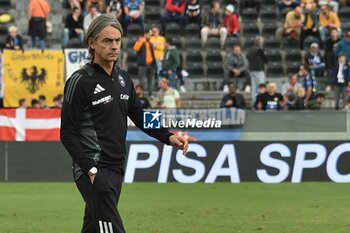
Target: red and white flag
[30, 124]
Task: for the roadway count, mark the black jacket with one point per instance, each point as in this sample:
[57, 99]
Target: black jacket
[94, 118]
[257, 59]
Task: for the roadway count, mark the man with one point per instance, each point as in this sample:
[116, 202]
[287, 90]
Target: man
[236, 68]
[171, 62]
[13, 40]
[316, 103]
[310, 24]
[145, 60]
[35, 104]
[174, 11]
[74, 26]
[38, 13]
[328, 20]
[271, 100]
[261, 91]
[329, 55]
[293, 24]
[315, 61]
[93, 13]
[98, 98]
[58, 101]
[309, 82]
[257, 60]
[212, 24]
[22, 103]
[140, 92]
[292, 86]
[133, 10]
[344, 46]
[42, 102]
[168, 97]
[233, 99]
[341, 79]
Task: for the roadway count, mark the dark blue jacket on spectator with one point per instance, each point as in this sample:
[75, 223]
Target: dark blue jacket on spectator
[346, 74]
[344, 46]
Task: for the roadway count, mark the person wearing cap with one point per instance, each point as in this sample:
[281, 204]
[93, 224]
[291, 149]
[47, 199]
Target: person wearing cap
[98, 99]
[145, 60]
[13, 40]
[231, 22]
[328, 20]
[341, 79]
[315, 60]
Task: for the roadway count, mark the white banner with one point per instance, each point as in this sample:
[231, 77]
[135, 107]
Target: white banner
[75, 59]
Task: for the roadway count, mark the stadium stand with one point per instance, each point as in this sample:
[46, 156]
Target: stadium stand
[204, 65]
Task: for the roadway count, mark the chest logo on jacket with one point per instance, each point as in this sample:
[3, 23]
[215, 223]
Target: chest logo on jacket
[121, 80]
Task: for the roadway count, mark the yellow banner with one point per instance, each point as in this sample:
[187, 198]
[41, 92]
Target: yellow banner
[29, 74]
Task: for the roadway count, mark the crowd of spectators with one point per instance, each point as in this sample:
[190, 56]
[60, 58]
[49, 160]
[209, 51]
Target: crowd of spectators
[244, 68]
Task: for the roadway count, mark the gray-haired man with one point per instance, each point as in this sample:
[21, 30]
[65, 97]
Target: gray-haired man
[98, 98]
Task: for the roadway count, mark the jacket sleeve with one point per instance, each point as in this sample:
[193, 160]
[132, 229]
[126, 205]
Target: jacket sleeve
[245, 64]
[138, 45]
[71, 115]
[135, 113]
[176, 57]
[235, 24]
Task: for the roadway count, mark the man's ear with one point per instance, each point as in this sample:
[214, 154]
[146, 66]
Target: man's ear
[91, 43]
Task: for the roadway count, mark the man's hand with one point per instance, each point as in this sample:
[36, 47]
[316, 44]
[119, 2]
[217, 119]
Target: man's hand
[179, 142]
[92, 178]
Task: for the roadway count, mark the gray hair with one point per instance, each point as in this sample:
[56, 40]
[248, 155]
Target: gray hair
[95, 28]
[257, 39]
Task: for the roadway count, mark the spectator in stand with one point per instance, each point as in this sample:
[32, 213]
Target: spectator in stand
[133, 10]
[171, 62]
[100, 4]
[58, 101]
[75, 3]
[330, 47]
[74, 26]
[158, 42]
[231, 22]
[212, 24]
[42, 102]
[297, 102]
[192, 13]
[316, 103]
[93, 13]
[328, 20]
[236, 68]
[315, 61]
[292, 86]
[341, 79]
[22, 103]
[174, 12]
[13, 40]
[168, 97]
[293, 24]
[140, 92]
[257, 60]
[309, 82]
[271, 100]
[35, 104]
[284, 4]
[145, 61]
[310, 24]
[334, 5]
[344, 45]
[233, 99]
[115, 9]
[261, 90]
[38, 13]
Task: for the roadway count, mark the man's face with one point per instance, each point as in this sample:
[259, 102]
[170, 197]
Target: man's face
[297, 12]
[216, 8]
[163, 84]
[155, 31]
[93, 11]
[13, 34]
[334, 34]
[237, 50]
[107, 45]
[342, 59]
[325, 10]
[271, 90]
[293, 80]
[138, 91]
[233, 91]
[302, 71]
[314, 49]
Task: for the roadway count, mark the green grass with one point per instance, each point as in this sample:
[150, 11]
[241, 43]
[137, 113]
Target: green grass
[180, 208]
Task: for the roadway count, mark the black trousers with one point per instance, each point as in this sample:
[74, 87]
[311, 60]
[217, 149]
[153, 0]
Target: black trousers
[101, 200]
